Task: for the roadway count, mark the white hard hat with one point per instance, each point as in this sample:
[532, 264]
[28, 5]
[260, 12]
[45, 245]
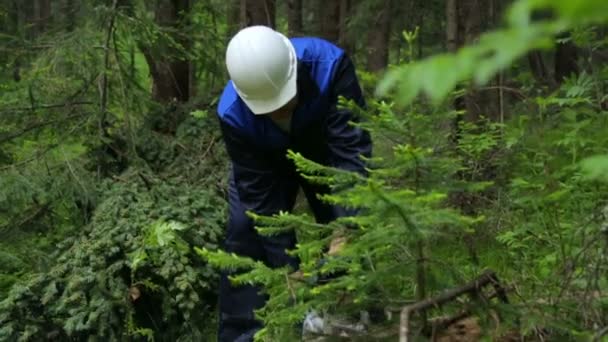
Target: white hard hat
[262, 65]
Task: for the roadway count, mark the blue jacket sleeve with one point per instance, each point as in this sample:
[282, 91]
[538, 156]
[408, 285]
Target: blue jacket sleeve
[261, 189]
[346, 142]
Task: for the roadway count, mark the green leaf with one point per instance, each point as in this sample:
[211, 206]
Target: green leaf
[137, 258]
[595, 168]
[200, 114]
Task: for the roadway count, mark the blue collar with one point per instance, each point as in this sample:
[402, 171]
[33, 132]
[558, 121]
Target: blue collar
[308, 91]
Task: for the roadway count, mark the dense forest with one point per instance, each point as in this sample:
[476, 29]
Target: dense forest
[484, 215]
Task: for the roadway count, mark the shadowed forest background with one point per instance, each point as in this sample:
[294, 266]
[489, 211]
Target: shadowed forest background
[490, 127]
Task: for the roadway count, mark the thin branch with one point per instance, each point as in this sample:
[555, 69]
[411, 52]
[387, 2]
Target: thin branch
[598, 336]
[57, 105]
[487, 278]
[37, 125]
[67, 162]
[104, 77]
[501, 103]
[515, 91]
[41, 153]
[291, 290]
[36, 213]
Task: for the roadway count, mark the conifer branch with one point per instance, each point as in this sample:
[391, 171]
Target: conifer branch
[38, 125]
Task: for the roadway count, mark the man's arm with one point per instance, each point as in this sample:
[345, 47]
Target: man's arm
[260, 187]
[346, 142]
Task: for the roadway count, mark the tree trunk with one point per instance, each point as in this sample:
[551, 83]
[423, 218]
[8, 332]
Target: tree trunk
[258, 12]
[28, 10]
[378, 38]
[477, 102]
[538, 67]
[451, 11]
[328, 12]
[566, 56]
[294, 18]
[170, 75]
[470, 20]
[43, 13]
[70, 15]
[464, 26]
[421, 28]
[234, 12]
[345, 40]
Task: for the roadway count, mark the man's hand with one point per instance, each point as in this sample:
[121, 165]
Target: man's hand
[336, 245]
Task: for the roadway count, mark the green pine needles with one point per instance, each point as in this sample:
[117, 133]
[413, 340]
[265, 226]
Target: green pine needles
[447, 197]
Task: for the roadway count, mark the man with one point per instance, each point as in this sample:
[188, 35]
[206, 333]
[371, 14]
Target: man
[282, 95]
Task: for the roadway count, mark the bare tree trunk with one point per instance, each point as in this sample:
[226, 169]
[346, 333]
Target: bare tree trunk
[233, 19]
[14, 26]
[28, 8]
[329, 20]
[294, 18]
[566, 56]
[345, 39]
[470, 20]
[538, 67]
[43, 15]
[171, 75]
[477, 103]
[70, 15]
[258, 12]
[451, 11]
[378, 38]
[463, 26]
[420, 24]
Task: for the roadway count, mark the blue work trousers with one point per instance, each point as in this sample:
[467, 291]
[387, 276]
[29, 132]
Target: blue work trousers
[237, 321]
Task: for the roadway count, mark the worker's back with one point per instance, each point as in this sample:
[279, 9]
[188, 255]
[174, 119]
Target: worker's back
[317, 64]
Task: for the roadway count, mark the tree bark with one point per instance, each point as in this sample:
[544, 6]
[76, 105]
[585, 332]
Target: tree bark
[233, 19]
[258, 12]
[170, 74]
[43, 12]
[477, 103]
[566, 56]
[464, 26]
[294, 18]
[538, 67]
[451, 11]
[70, 15]
[378, 38]
[345, 40]
[328, 12]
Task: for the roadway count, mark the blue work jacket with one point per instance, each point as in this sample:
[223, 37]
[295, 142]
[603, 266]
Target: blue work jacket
[319, 130]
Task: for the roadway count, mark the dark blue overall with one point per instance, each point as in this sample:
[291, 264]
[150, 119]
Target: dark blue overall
[264, 181]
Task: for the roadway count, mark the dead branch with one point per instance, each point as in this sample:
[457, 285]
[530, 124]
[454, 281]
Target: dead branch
[104, 78]
[57, 105]
[32, 214]
[598, 336]
[37, 125]
[41, 153]
[474, 287]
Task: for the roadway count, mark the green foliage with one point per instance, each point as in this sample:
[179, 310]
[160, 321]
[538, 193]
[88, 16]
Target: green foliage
[596, 168]
[529, 187]
[100, 208]
[62, 133]
[403, 205]
[553, 208]
[437, 76]
[90, 284]
[131, 270]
